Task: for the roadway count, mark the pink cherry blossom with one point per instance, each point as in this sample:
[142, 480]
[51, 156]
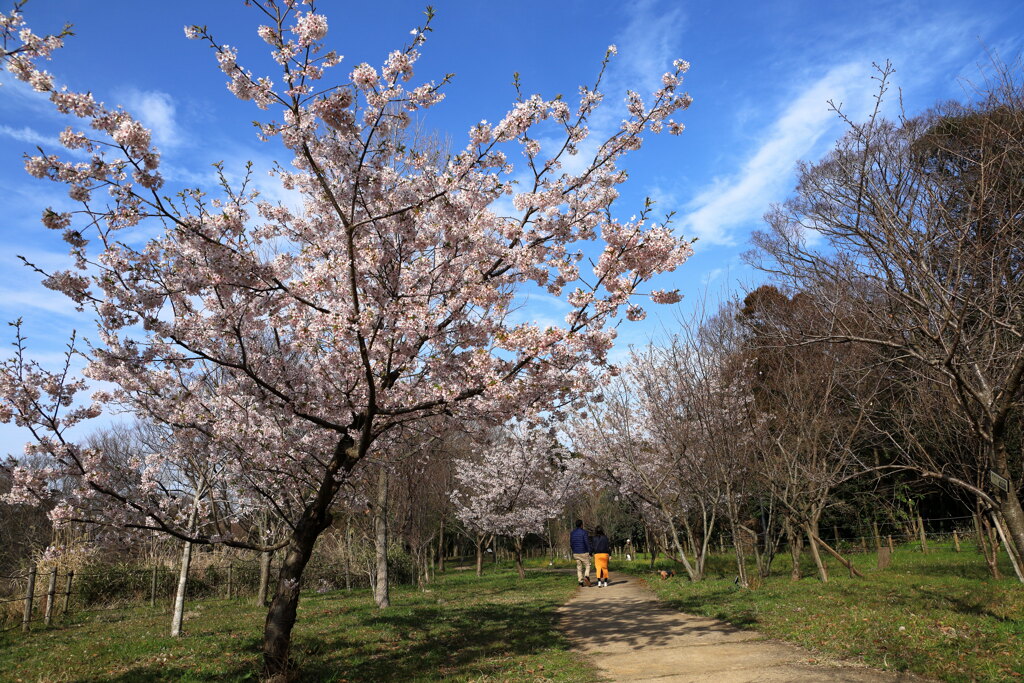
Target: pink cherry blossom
[283, 344]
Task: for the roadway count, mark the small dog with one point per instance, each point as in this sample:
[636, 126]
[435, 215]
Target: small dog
[587, 582]
[666, 574]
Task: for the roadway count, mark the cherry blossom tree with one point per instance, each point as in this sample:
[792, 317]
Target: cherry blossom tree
[515, 485]
[656, 437]
[296, 337]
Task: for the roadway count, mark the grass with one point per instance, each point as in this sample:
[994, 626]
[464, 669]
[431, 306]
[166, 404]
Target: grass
[463, 628]
[936, 614]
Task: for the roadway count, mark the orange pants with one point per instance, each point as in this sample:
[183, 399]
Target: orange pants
[601, 564]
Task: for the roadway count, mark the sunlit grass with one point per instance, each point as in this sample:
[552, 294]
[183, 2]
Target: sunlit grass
[461, 628]
[937, 614]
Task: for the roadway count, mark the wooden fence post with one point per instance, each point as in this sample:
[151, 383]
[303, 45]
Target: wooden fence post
[924, 541]
[956, 541]
[230, 577]
[67, 592]
[51, 592]
[891, 548]
[30, 591]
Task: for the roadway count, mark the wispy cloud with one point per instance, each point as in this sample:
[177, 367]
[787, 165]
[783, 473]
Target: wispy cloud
[928, 53]
[20, 96]
[735, 200]
[15, 302]
[157, 112]
[648, 44]
[29, 135]
[539, 309]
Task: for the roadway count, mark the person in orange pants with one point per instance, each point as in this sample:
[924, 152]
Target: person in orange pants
[601, 547]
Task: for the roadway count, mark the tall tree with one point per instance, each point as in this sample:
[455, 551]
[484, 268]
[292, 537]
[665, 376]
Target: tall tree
[384, 299]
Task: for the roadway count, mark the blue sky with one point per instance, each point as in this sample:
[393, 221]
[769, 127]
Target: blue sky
[761, 76]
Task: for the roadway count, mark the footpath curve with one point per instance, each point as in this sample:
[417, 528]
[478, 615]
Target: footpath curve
[631, 636]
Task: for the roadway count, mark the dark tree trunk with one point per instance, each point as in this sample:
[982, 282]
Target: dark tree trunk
[519, 558]
[277, 631]
[1009, 503]
[281, 615]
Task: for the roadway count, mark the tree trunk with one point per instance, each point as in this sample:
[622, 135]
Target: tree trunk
[266, 557]
[690, 571]
[479, 555]
[822, 569]
[281, 615]
[519, 557]
[381, 593]
[277, 630]
[1009, 547]
[440, 548]
[978, 532]
[1013, 518]
[178, 614]
[348, 554]
[796, 548]
[991, 548]
[179, 597]
[756, 545]
[1009, 504]
[741, 559]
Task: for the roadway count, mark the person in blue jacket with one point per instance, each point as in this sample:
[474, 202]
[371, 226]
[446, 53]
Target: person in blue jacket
[579, 543]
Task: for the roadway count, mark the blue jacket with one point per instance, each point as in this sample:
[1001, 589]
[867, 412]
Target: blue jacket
[579, 540]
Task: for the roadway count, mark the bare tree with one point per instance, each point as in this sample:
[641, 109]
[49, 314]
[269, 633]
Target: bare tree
[812, 401]
[919, 251]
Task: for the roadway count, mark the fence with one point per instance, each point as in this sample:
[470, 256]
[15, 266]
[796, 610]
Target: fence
[41, 597]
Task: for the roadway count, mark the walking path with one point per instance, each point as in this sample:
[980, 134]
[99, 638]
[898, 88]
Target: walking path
[630, 636]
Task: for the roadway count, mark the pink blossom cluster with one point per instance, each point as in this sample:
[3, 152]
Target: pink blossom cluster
[516, 481]
[282, 343]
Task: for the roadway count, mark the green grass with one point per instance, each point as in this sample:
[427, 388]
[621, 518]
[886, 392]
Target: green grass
[462, 628]
[937, 614]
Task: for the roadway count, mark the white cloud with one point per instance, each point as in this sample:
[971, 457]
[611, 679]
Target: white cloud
[29, 135]
[21, 97]
[156, 111]
[15, 302]
[648, 45]
[539, 309]
[766, 174]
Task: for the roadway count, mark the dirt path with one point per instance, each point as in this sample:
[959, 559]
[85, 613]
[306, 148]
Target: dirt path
[632, 637]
